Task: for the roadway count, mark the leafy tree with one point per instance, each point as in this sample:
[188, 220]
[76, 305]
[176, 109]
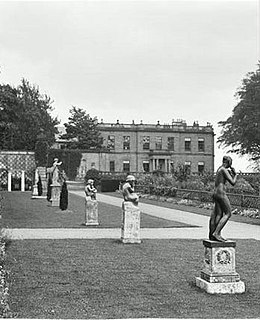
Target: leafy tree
[241, 131]
[41, 150]
[82, 131]
[23, 112]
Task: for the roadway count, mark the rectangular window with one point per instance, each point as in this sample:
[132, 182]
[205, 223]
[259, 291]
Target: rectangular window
[111, 142]
[146, 166]
[201, 167]
[187, 145]
[158, 143]
[126, 166]
[170, 143]
[187, 165]
[112, 166]
[146, 143]
[126, 142]
[201, 145]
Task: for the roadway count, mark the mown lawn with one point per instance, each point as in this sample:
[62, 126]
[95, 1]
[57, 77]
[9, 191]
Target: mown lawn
[107, 279]
[21, 211]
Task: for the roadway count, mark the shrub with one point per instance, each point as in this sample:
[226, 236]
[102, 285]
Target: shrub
[64, 197]
[242, 186]
[49, 189]
[39, 186]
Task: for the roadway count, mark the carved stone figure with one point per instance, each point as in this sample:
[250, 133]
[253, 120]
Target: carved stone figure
[222, 209]
[55, 171]
[128, 190]
[90, 190]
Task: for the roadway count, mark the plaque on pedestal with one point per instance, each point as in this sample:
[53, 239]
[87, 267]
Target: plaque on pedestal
[91, 212]
[219, 273]
[55, 194]
[130, 231]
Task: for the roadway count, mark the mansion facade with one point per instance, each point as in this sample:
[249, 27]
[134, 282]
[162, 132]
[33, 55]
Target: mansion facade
[148, 147]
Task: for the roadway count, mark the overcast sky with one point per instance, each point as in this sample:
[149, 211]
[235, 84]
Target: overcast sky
[133, 60]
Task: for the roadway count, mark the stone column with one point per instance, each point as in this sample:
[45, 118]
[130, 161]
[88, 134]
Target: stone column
[219, 273]
[91, 212]
[23, 181]
[130, 230]
[55, 194]
[9, 181]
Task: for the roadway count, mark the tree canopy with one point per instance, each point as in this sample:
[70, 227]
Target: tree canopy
[24, 111]
[82, 131]
[241, 131]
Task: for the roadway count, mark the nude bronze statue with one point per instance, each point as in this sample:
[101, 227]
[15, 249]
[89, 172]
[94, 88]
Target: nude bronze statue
[128, 190]
[222, 208]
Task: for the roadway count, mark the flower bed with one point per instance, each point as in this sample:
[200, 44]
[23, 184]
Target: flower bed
[185, 200]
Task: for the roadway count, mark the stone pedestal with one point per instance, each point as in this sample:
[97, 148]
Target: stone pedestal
[91, 213]
[130, 230]
[55, 194]
[219, 273]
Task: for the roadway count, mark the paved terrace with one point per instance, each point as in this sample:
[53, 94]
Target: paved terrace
[233, 230]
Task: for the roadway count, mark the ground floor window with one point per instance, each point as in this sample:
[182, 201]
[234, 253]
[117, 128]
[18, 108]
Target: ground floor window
[201, 167]
[126, 166]
[112, 166]
[188, 166]
[146, 166]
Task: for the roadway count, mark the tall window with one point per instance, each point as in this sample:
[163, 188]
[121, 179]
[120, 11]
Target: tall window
[146, 143]
[187, 165]
[111, 142]
[170, 143]
[158, 143]
[112, 166]
[187, 144]
[126, 166]
[146, 166]
[201, 145]
[126, 142]
[201, 167]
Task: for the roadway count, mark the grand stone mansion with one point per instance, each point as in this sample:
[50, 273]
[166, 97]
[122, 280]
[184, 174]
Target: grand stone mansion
[148, 147]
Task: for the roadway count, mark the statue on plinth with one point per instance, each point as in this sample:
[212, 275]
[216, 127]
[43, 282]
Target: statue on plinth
[55, 183]
[55, 171]
[130, 230]
[91, 204]
[90, 190]
[222, 208]
[128, 190]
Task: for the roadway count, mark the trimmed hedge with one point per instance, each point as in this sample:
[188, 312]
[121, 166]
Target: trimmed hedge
[110, 185]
